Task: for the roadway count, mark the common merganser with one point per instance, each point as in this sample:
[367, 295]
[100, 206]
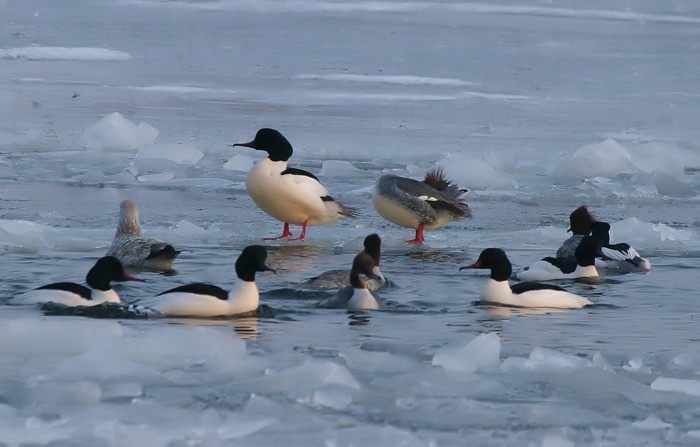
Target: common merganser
[525, 294]
[135, 251]
[580, 226]
[357, 296]
[621, 257]
[105, 270]
[206, 300]
[426, 205]
[291, 195]
[581, 266]
[334, 279]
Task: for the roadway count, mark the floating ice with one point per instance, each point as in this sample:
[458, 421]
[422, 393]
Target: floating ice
[180, 153]
[483, 352]
[670, 186]
[332, 397]
[156, 178]
[652, 423]
[189, 233]
[551, 440]
[114, 132]
[384, 79]
[663, 157]
[22, 234]
[239, 162]
[642, 234]
[685, 386]
[606, 159]
[470, 171]
[64, 54]
[338, 168]
[543, 358]
[24, 336]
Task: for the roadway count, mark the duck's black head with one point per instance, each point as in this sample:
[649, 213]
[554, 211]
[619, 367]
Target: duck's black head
[272, 142]
[494, 259]
[362, 265]
[251, 260]
[586, 252]
[106, 270]
[373, 247]
[601, 230]
[580, 221]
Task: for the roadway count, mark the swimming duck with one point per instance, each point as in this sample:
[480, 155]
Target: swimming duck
[426, 205]
[581, 266]
[525, 294]
[621, 257]
[135, 251]
[206, 300]
[99, 290]
[357, 296]
[581, 222]
[291, 195]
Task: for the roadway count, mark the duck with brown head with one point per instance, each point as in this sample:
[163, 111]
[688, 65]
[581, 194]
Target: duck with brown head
[581, 222]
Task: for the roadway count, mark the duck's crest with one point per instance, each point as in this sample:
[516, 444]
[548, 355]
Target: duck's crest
[435, 178]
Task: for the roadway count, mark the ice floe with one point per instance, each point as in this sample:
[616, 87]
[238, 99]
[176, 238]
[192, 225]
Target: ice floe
[64, 54]
[114, 132]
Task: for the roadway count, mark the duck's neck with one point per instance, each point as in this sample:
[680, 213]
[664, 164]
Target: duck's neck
[355, 281]
[245, 294]
[104, 296]
[129, 225]
[588, 270]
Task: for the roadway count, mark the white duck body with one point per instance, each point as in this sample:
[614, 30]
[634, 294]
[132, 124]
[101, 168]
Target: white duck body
[67, 298]
[291, 198]
[243, 298]
[362, 299]
[500, 292]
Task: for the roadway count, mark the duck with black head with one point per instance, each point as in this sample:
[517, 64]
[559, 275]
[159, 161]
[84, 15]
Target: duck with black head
[290, 195]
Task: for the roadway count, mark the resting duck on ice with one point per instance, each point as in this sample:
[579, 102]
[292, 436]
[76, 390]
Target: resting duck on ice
[426, 205]
[206, 300]
[339, 278]
[525, 294]
[135, 251]
[357, 296]
[291, 195]
[99, 290]
[581, 266]
[621, 257]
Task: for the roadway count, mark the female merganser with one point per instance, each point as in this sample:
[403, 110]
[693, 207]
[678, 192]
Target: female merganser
[581, 266]
[135, 251]
[291, 195]
[621, 257]
[357, 296]
[105, 270]
[580, 226]
[426, 205]
[206, 300]
[334, 279]
[525, 294]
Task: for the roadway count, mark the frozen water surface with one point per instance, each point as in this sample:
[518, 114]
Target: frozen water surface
[536, 107]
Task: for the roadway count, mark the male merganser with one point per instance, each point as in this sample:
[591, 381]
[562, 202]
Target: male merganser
[206, 300]
[334, 279]
[135, 251]
[621, 257]
[291, 195]
[357, 296]
[105, 270]
[525, 294]
[581, 266]
[426, 205]
[580, 226]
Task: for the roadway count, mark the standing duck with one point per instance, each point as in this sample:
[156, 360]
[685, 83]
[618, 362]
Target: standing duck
[99, 290]
[426, 205]
[357, 296]
[291, 195]
[206, 300]
[525, 294]
[334, 279]
[132, 249]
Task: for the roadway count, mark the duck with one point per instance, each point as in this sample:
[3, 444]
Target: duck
[526, 294]
[290, 195]
[99, 290]
[581, 221]
[357, 296]
[581, 266]
[206, 300]
[621, 256]
[421, 205]
[135, 251]
[334, 279]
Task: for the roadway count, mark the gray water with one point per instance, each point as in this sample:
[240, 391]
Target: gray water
[537, 108]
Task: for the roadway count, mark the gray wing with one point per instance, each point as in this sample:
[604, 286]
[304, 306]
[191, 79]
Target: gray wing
[418, 196]
[341, 299]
